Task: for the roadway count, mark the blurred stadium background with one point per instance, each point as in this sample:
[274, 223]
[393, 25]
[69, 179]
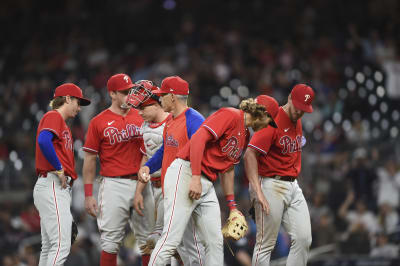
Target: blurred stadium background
[348, 51]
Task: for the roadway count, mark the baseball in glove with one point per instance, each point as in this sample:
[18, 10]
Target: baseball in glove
[235, 226]
[74, 232]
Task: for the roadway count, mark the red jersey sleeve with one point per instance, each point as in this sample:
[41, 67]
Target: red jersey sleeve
[92, 142]
[53, 122]
[262, 140]
[219, 122]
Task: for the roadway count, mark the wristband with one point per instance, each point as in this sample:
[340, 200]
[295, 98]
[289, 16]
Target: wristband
[59, 172]
[88, 190]
[230, 199]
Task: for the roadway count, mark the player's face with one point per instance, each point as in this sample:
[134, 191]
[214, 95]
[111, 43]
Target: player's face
[121, 97]
[74, 106]
[166, 102]
[294, 113]
[260, 123]
[149, 112]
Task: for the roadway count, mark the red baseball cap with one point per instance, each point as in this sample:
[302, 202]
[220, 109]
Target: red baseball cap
[271, 107]
[119, 82]
[173, 84]
[302, 97]
[70, 89]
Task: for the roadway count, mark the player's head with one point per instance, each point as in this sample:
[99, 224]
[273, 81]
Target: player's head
[142, 98]
[119, 86]
[173, 91]
[141, 94]
[68, 96]
[262, 111]
[300, 101]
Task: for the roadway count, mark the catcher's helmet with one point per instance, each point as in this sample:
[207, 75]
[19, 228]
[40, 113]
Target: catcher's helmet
[141, 95]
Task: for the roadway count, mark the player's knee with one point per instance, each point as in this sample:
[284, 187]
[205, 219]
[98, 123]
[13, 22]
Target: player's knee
[216, 243]
[110, 247]
[303, 241]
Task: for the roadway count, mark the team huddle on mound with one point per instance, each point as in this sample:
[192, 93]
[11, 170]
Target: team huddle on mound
[159, 160]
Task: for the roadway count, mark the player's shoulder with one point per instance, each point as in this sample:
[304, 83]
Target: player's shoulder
[193, 114]
[229, 112]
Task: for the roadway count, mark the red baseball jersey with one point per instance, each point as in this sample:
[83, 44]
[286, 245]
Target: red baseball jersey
[230, 138]
[63, 144]
[117, 140]
[280, 148]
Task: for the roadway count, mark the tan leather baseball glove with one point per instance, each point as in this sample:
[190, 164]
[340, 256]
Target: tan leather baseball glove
[235, 226]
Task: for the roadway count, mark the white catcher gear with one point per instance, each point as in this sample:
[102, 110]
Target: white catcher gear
[141, 93]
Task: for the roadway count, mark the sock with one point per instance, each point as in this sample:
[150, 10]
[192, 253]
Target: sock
[108, 259]
[145, 260]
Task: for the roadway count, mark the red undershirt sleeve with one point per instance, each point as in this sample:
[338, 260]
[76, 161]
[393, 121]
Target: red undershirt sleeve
[197, 146]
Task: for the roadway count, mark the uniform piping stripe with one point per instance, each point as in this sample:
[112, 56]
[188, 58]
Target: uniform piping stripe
[196, 242]
[212, 131]
[58, 223]
[172, 215]
[262, 234]
[88, 149]
[50, 129]
[257, 148]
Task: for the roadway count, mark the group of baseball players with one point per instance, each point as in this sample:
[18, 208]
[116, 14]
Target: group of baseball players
[159, 160]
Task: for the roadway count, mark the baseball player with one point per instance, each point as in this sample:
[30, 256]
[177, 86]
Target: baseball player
[188, 189]
[115, 137]
[272, 164]
[55, 167]
[177, 132]
[154, 117]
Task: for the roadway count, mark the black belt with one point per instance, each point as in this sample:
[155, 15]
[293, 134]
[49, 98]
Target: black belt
[130, 176]
[284, 178]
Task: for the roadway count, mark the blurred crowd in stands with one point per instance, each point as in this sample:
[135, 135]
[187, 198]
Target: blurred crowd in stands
[348, 51]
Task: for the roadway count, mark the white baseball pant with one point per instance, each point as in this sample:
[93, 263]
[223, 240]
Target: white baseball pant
[289, 207]
[53, 203]
[179, 208]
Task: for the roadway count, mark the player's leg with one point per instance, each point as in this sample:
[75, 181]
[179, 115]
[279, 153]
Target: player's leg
[40, 193]
[159, 203]
[142, 225]
[207, 216]
[268, 225]
[296, 221]
[54, 203]
[115, 197]
[194, 250]
[177, 211]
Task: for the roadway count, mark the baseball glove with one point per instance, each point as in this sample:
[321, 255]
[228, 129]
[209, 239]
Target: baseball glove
[148, 247]
[235, 226]
[74, 232]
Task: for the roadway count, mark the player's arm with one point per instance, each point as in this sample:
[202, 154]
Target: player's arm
[197, 146]
[89, 172]
[228, 187]
[151, 165]
[45, 141]
[138, 198]
[251, 169]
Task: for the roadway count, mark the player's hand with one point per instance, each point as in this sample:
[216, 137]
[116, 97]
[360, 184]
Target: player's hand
[62, 177]
[263, 202]
[195, 187]
[138, 203]
[91, 206]
[144, 174]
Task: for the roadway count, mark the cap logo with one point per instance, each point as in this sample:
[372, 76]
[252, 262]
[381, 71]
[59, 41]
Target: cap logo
[126, 79]
[171, 89]
[307, 96]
